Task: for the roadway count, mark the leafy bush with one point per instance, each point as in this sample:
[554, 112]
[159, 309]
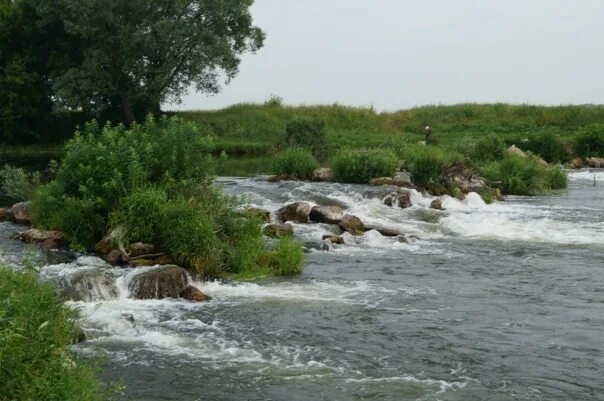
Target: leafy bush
[487, 148]
[286, 258]
[36, 329]
[546, 145]
[524, 176]
[427, 163]
[307, 133]
[590, 141]
[16, 184]
[295, 162]
[361, 166]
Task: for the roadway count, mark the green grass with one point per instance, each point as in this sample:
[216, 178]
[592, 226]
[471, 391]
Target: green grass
[36, 329]
[295, 162]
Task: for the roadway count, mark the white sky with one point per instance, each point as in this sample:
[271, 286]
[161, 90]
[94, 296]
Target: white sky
[396, 54]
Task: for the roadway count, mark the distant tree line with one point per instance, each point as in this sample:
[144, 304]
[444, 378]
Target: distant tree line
[65, 61]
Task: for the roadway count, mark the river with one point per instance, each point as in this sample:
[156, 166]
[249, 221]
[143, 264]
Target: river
[492, 302]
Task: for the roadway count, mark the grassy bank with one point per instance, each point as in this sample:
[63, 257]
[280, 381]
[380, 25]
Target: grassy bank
[36, 330]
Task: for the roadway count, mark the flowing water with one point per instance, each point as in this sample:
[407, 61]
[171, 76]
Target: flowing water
[491, 302]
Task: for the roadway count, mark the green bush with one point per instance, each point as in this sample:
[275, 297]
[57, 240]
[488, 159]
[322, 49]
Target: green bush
[427, 163]
[307, 133]
[590, 141]
[361, 166]
[286, 258]
[487, 148]
[546, 145]
[36, 330]
[16, 185]
[524, 176]
[295, 162]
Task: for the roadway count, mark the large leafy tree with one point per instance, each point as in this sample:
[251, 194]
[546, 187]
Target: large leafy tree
[138, 54]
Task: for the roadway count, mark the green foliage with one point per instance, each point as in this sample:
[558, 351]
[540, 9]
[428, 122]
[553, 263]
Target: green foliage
[361, 166]
[590, 141]
[307, 133]
[524, 176]
[548, 146]
[16, 184]
[286, 258]
[487, 148]
[426, 163]
[36, 329]
[295, 162]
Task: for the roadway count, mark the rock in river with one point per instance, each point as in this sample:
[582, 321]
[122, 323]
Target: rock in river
[22, 212]
[352, 224]
[297, 212]
[158, 282]
[278, 230]
[192, 293]
[326, 214]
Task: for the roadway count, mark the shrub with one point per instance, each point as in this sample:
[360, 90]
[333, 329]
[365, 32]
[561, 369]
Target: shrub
[361, 166]
[307, 133]
[286, 258]
[16, 184]
[590, 141]
[546, 145]
[295, 162]
[36, 329]
[524, 176]
[427, 163]
[487, 148]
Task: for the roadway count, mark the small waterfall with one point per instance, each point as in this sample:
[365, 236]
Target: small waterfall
[88, 285]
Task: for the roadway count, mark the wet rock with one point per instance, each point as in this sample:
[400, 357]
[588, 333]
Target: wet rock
[461, 175]
[158, 283]
[192, 293]
[276, 230]
[50, 239]
[595, 162]
[128, 317]
[110, 241]
[5, 214]
[334, 239]
[386, 232]
[460, 196]
[402, 179]
[88, 285]
[315, 245]
[151, 260]
[513, 150]
[297, 212]
[437, 204]
[326, 214]
[140, 249]
[22, 212]
[352, 224]
[400, 199]
[322, 174]
[407, 239]
[327, 201]
[280, 177]
[261, 214]
[576, 163]
[114, 258]
[381, 181]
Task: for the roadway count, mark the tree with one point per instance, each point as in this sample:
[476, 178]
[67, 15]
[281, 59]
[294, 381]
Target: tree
[139, 54]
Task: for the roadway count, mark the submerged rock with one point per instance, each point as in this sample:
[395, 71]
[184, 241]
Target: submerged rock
[352, 224]
[88, 285]
[22, 212]
[326, 214]
[386, 232]
[436, 204]
[322, 174]
[297, 212]
[400, 199]
[192, 293]
[276, 230]
[158, 283]
[334, 239]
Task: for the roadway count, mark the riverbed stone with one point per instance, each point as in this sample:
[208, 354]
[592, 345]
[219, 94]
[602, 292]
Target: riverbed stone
[88, 285]
[400, 199]
[326, 214]
[5, 214]
[385, 231]
[158, 283]
[114, 257]
[49, 238]
[352, 224]
[110, 241]
[192, 293]
[334, 239]
[437, 204]
[297, 212]
[276, 230]
[22, 212]
[322, 174]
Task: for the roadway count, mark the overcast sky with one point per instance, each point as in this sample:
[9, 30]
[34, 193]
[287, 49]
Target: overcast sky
[396, 54]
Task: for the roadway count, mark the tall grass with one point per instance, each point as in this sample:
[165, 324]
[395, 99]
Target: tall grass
[295, 162]
[361, 166]
[36, 329]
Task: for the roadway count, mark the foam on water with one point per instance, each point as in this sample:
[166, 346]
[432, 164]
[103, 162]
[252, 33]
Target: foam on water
[587, 175]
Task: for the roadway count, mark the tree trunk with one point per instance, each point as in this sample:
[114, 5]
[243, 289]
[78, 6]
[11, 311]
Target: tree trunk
[127, 107]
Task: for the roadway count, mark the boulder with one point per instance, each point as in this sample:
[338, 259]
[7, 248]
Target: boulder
[158, 283]
[110, 241]
[594, 162]
[140, 249]
[513, 150]
[576, 163]
[297, 212]
[400, 199]
[88, 285]
[5, 214]
[50, 239]
[460, 175]
[22, 212]
[334, 239]
[326, 214]
[386, 232]
[322, 174]
[114, 258]
[261, 214]
[437, 204]
[315, 245]
[192, 293]
[352, 224]
[278, 230]
[402, 179]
